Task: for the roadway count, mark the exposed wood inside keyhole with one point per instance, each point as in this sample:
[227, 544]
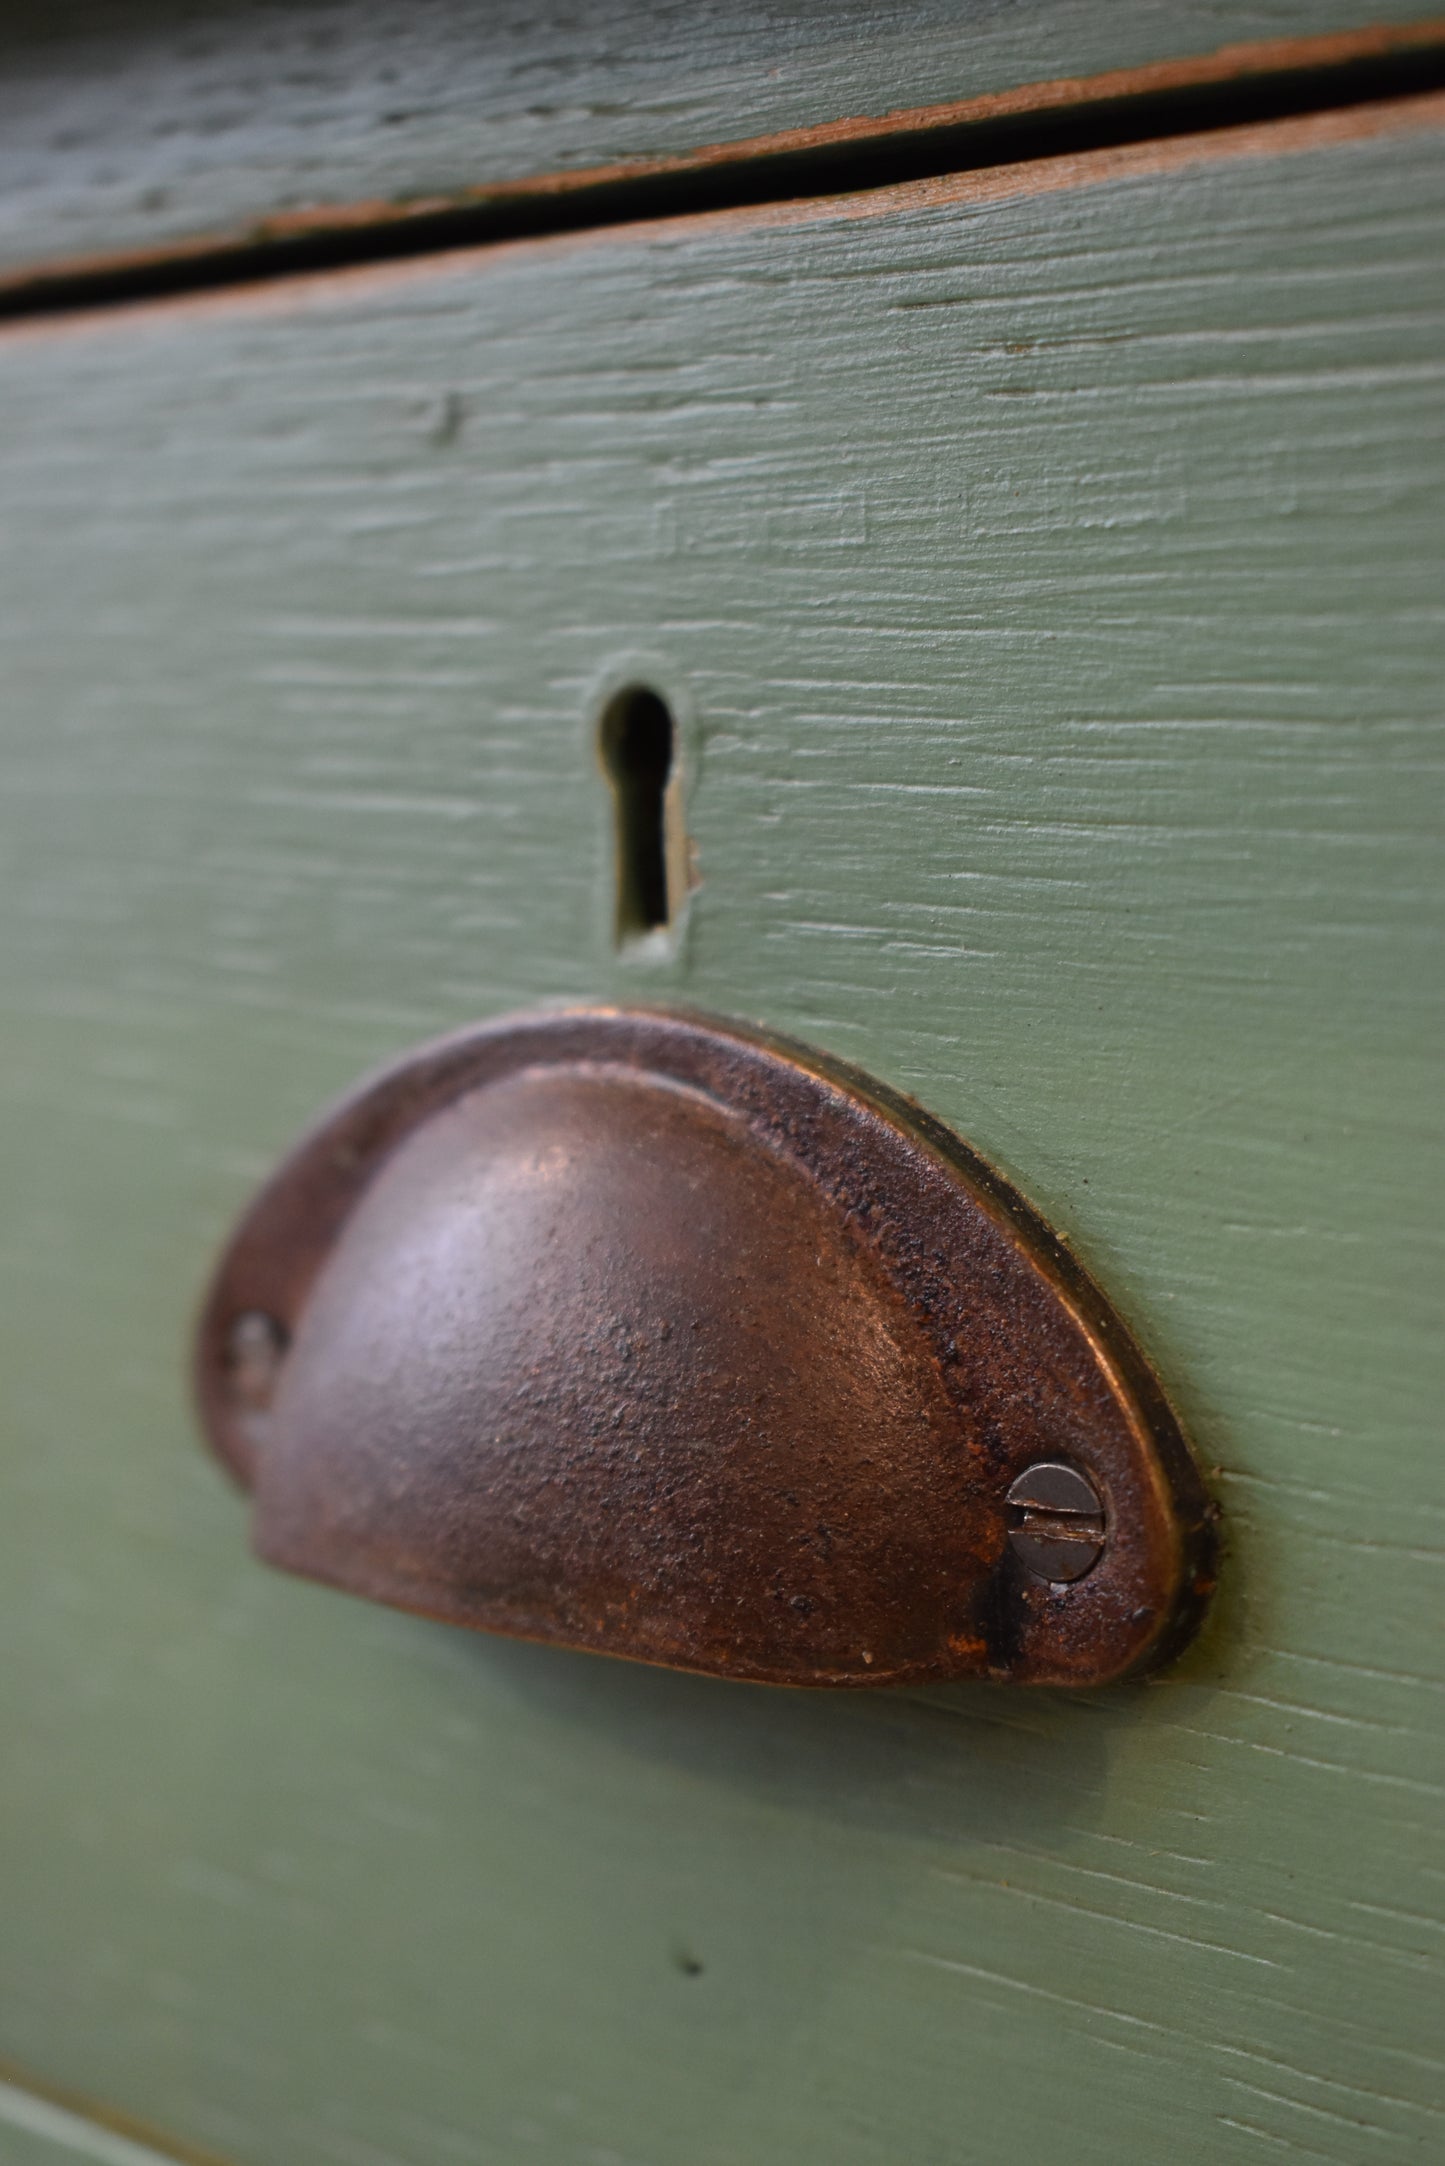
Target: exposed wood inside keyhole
[638, 744]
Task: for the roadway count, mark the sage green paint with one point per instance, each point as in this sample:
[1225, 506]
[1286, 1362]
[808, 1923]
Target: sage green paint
[135, 124]
[36, 2132]
[1055, 587]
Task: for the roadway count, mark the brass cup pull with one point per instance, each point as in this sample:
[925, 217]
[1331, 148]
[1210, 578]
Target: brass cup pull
[637, 1333]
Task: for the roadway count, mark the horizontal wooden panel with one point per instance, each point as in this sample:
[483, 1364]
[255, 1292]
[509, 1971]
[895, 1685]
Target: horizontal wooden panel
[1048, 579]
[138, 124]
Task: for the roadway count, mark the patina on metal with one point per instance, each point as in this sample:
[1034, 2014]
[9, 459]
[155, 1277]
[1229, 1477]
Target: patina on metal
[643, 1334]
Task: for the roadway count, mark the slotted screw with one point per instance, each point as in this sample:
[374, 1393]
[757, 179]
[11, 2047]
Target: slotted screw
[1056, 1521]
[255, 1349]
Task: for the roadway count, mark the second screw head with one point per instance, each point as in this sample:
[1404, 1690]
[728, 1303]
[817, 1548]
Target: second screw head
[255, 1349]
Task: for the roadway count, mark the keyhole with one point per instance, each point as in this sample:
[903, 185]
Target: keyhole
[638, 743]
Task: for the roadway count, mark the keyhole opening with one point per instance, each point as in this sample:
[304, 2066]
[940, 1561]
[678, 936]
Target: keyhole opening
[638, 742]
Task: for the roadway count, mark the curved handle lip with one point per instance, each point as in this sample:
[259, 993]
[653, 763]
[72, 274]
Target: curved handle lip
[284, 1239]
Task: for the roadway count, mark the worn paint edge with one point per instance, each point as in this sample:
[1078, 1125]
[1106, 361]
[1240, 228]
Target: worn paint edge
[89, 2132]
[294, 293]
[230, 252]
[1227, 64]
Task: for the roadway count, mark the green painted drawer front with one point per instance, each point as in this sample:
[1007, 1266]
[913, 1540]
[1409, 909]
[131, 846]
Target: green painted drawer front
[1050, 581]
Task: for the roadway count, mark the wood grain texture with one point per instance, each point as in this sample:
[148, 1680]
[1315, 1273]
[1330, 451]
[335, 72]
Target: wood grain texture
[1051, 588]
[141, 124]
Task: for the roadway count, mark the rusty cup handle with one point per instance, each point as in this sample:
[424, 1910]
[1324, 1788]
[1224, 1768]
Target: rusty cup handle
[646, 1334]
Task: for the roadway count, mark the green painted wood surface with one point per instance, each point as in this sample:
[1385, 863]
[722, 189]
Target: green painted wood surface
[130, 124]
[34, 2131]
[1054, 586]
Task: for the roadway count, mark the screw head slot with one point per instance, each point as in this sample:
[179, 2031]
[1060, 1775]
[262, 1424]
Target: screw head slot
[1056, 1522]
